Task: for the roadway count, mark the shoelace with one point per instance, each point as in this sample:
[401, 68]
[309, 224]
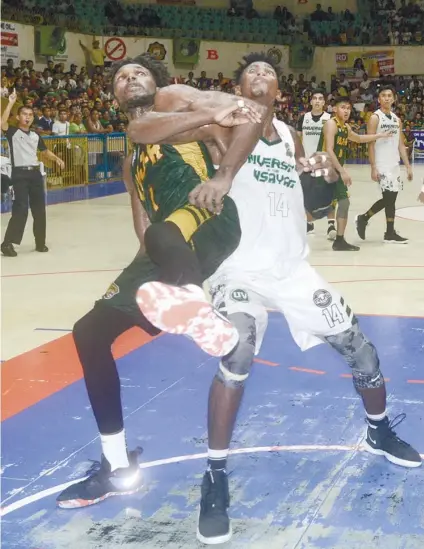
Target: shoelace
[389, 429]
[96, 469]
[213, 497]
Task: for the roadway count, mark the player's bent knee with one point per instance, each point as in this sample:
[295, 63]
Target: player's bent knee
[235, 368]
[343, 208]
[360, 354]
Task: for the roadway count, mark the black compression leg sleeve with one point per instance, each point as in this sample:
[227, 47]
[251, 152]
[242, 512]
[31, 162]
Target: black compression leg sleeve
[389, 198]
[94, 334]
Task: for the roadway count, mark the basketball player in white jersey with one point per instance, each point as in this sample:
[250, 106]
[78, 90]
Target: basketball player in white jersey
[309, 128]
[270, 269]
[385, 156]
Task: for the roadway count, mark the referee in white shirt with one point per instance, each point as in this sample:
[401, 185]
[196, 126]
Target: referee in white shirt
[27, 180]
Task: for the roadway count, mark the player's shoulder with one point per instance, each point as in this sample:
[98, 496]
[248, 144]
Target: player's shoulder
[326, 115]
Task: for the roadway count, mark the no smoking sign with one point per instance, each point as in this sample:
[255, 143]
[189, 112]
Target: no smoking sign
[115, 49]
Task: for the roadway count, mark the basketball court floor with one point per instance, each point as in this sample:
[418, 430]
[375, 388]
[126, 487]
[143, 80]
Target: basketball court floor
[298, 476]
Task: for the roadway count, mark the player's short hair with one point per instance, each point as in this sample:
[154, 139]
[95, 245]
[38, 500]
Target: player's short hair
[341, 99]
[319, 91]
[387, 87]
[256, 57]
[156, 68]
[25, 108]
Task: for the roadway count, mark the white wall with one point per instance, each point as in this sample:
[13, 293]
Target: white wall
[225, 56]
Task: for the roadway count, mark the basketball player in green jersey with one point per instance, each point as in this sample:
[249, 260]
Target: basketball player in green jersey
[335, 138]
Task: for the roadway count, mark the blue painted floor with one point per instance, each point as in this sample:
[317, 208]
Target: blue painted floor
[289, 498]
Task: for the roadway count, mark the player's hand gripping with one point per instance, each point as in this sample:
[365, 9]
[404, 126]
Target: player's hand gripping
[237, 114]
[210, 194]
[319, 165]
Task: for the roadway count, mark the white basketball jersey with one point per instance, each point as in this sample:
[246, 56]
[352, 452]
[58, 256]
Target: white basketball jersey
[387, 150]
[311, 132]
[269, 200]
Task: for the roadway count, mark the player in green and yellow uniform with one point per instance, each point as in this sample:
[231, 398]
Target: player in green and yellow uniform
[335, 138]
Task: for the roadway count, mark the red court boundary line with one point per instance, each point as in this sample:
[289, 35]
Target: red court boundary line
[41, 372]
[266, 362]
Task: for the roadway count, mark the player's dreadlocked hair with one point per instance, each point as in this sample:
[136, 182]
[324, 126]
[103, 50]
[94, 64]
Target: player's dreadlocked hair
[157, 68]
[255, 58]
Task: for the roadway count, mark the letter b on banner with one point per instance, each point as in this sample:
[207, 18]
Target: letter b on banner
[212, 54]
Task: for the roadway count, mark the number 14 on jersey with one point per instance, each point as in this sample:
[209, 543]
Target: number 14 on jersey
[278, 204]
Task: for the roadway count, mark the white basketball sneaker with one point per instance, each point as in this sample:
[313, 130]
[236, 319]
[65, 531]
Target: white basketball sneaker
[185, 310]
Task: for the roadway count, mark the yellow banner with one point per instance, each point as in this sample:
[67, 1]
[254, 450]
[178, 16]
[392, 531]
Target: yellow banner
[373, 62]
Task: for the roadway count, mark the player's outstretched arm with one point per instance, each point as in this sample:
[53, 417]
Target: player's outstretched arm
[356, 138]
[185, 127]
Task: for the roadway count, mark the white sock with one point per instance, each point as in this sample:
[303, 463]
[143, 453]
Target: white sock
[376, 417]
[114, 448]
[218, 454]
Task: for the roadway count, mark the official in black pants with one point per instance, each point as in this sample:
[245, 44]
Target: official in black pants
[27, 181]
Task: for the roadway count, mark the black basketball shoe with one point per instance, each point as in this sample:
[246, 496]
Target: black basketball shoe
[214, 525]
[310, 228]
[382, 441]
[340, 245]
[361, 223]
[102, 483]
[8, 250]
[394, 238]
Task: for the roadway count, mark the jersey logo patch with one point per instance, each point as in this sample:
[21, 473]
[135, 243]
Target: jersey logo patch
[239, 295]
[111, 291]
[322, 298]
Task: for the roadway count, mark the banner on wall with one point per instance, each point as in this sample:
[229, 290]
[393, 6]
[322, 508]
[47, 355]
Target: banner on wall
[49, 40]
[373, 62]
[186, 51]
[419, 143]
[9, 42]
[301, 56]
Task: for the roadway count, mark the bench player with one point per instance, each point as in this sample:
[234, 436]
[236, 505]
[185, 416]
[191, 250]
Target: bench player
[385, 157]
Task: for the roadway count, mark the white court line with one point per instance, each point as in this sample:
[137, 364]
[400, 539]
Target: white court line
[178, 459]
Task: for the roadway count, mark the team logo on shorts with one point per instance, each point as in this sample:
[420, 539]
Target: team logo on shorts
[111, 291]
[322, 298]
[239, 295]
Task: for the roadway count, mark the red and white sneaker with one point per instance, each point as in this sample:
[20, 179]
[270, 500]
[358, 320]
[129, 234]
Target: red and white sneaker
[185, 310]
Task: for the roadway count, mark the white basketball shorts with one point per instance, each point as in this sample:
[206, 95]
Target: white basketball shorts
[312, 308]
[390, 179]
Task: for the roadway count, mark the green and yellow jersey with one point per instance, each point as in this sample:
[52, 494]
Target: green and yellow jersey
[163, 177]
[341, 141]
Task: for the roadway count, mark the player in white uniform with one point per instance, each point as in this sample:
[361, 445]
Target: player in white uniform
[385, 156]
[270, 269]
[309, 128]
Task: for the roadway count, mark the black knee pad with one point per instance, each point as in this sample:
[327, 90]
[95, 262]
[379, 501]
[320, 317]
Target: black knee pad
[360, 354]
[235, 368]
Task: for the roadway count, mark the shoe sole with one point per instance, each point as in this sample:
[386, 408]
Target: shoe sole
[356, 225]
[397, 461]
[394, 242]
[215, 540]
[78, 503]
[178, 310]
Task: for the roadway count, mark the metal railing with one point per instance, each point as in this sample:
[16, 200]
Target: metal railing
[88, 158]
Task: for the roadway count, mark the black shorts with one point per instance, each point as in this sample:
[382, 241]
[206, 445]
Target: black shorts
[213, 242]
[318, 196]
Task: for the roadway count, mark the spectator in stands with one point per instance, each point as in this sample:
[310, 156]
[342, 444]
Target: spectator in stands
[93, 123]
[45, 122]
[77, 126]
